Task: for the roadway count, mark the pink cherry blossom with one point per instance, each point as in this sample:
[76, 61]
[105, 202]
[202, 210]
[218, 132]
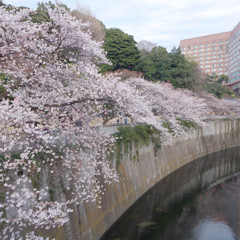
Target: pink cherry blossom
[55, 84]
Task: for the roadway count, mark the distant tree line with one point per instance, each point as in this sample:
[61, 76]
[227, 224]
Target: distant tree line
[173, 67]
[157, 64]
[214, 85]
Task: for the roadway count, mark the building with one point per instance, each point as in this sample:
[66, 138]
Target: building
[234, 59]
[217, 54]
[209, 51]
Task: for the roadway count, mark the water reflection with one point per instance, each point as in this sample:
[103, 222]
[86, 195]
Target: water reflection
[200, 201]
[213, 230]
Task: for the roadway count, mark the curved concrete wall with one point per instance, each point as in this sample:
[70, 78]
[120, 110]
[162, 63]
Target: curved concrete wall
[89, 222]
[179, 190]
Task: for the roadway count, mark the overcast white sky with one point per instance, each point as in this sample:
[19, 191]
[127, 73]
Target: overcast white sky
[164, 22]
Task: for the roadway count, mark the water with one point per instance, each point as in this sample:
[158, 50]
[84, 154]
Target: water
[211, 214]
[200, 201]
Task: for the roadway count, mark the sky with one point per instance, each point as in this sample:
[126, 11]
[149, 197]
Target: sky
[164, 22]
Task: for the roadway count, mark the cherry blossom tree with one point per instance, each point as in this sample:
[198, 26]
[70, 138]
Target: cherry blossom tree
[220, 106]
[50, 157]
[171, 105]
[145, 45]
[55, 84]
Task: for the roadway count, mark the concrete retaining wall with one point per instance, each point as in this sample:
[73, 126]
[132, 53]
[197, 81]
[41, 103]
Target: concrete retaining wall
[138, 176]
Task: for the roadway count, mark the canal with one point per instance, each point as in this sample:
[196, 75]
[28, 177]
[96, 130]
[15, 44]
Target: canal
[200, 201]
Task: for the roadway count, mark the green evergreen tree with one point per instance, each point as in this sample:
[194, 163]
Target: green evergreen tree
[121, 50]
[155, 65]
[218, 90]
[173, 67]
[182, 70]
